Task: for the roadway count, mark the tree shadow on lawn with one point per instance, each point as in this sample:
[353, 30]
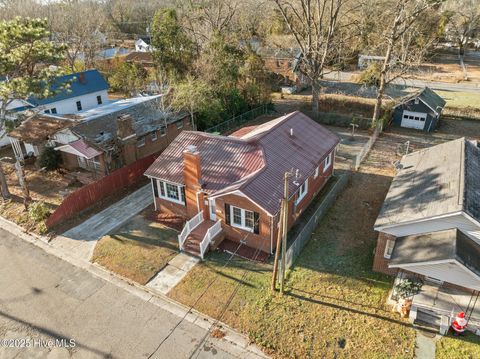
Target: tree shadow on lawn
[137, 240]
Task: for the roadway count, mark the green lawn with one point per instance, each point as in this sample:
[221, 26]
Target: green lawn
[467, 347]
[334, 305]
[138, 250]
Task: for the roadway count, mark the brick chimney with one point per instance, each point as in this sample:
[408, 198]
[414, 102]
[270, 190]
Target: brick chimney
[81, 77]
[192, 172]
[126, 139]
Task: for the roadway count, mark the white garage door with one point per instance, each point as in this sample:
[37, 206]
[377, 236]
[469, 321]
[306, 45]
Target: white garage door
[414, 119]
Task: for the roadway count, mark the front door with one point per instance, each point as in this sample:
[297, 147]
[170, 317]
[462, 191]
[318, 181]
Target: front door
[211, 206]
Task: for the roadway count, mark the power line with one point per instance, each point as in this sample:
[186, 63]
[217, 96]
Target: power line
[194, 304]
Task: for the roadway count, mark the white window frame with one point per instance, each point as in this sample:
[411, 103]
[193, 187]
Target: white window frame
[242, 217]
[179, 124]
[140, 142]
[82, 162]
[327, 162]
[163, 131]
[302, 192]
[389, 245]
[93, 163]
[154, 136]
[317, 171]
[162, 192]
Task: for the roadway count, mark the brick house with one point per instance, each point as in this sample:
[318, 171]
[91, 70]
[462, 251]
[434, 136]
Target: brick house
[284, 64]
[429, 226]
[232, 185]
[103, 139]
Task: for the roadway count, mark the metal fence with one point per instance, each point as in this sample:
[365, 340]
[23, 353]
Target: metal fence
[359, 158]
[303, 237]
[239, 120]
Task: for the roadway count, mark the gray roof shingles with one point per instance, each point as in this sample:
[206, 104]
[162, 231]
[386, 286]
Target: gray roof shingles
[435, 181]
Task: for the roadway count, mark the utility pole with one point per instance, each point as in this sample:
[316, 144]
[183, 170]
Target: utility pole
[277, 250]
[282, 237]
[284, 230]
[22, 180]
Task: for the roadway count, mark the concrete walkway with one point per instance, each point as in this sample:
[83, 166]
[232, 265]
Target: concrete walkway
[80, 241]
[172, 273]
[425, 345]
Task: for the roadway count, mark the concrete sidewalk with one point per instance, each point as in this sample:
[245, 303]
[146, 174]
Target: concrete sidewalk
[80, 241]
[173, 273]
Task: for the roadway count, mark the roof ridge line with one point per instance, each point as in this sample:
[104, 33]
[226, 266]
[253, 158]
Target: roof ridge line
[264, 133]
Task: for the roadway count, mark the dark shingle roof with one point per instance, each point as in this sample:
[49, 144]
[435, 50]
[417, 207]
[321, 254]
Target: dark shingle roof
[435, 246]
[427, 96]
[81, 83]
[99, 124]
[39, 128]
[435, 181]
[255, 163]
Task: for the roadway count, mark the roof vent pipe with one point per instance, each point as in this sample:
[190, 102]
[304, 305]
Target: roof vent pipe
[291, 132]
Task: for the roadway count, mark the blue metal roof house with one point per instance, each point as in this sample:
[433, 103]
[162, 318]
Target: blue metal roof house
[86, 90]
[420, 110]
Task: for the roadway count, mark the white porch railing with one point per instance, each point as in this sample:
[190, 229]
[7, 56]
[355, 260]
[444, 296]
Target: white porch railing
[189, 227]
[211, 233]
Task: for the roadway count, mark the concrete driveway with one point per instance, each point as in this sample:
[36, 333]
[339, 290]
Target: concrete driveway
[43, 299]
[80, 240]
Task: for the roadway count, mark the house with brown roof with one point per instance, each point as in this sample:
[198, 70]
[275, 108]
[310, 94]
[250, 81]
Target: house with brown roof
[102, 139]
[231, 186]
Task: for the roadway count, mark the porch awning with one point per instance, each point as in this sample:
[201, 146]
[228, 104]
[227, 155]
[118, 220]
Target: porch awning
[450, 256]
[80, 148]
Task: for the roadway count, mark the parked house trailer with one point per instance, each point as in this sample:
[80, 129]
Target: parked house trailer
[420, 111]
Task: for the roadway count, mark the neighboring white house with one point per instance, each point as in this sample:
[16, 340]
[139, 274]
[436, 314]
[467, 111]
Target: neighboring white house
[142, 44]
[86, 90]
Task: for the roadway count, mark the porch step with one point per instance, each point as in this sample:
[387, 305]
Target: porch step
[427, 321]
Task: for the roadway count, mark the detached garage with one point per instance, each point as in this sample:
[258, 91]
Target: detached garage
[420, 111]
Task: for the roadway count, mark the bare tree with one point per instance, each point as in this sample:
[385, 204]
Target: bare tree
[402, 50]
[314, 25]
[463, 21]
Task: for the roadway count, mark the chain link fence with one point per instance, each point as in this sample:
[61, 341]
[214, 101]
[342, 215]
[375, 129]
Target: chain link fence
[238, 121]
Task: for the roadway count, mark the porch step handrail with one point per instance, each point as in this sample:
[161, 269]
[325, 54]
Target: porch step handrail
[207, 239]
[191, 224]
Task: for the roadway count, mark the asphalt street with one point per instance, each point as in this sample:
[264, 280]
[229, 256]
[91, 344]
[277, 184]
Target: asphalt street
[46, 304]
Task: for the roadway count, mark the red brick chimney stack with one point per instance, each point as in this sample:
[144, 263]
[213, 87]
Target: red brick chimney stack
[192, 172]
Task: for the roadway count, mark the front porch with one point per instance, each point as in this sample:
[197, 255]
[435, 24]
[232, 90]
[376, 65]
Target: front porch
[200, 235]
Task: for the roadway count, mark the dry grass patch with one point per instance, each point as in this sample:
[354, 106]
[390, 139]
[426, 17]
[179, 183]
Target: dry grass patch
[467, 347]
[137, 250]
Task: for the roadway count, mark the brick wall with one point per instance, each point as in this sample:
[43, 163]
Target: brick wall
[380, 263]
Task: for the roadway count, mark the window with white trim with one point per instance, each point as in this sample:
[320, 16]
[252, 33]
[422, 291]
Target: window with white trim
[154, 136]
[316, 172]
[179, 124]
[242, 218]
[302, 192]
[389, 248]
[163, 131]
[141, 141]
[170, 192]
[327, 162]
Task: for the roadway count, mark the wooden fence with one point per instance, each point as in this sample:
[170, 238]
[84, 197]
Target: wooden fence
[88, 195]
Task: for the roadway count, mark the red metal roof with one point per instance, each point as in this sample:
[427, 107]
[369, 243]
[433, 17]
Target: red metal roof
[82, 147]
[255, 163]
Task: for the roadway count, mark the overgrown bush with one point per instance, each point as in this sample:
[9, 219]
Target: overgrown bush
[371, 75]
[407, 288]
[38, 211]
[50, 159]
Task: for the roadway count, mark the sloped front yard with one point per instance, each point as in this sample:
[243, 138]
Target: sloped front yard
[138, 250]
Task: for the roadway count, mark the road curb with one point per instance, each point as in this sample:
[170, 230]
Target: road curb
[158, 299]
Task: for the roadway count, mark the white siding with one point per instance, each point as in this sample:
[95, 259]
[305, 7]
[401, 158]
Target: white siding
[70, 105]
[433, 225]
[447, 272]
